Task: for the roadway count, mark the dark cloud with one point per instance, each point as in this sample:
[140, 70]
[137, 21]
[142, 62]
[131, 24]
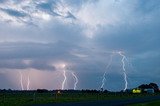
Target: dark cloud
[2, 1]
[70, 15]
[22, 50]
[20, 64]
[83, 33]
[148, 6]
[48, 7]
[134, 39]
[14, 12]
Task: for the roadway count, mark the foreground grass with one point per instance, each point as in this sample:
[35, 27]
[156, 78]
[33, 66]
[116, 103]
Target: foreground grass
[29, 98]
[154, 103]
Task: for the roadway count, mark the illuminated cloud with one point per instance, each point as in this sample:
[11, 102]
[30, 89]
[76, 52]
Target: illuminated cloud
[33, 12]
[38, 34]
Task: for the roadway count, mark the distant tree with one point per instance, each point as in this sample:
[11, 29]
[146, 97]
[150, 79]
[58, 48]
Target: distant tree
[42, 90]
[101, 89]
[144, 86]
[154, 86]
[149, 86]
[105, 91]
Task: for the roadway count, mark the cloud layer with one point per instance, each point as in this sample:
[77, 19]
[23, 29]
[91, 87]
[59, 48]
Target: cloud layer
[39, 34]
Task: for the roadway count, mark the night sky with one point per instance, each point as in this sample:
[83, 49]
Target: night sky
[42, 39]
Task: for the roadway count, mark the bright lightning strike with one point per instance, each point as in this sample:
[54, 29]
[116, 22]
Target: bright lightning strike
[123, 67]
[104, 75]
[124, 70]
[64, 81]
[76, 80]
[64, 68]
[28, 83]
[21, 80]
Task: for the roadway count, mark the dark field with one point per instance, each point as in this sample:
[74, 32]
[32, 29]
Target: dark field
[154, 103]
[25, 98]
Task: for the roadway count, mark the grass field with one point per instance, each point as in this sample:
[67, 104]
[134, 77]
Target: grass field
[154, 103]
[28, 98]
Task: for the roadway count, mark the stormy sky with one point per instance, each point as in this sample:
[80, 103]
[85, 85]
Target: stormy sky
[38, 36]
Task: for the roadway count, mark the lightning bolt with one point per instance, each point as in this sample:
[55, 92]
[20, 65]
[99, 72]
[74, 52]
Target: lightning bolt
[65, 78]
[65, 69]
[123, 67]
[28, 83]
[76, 80]
[104, 75]
[21, 80]
[124, 70]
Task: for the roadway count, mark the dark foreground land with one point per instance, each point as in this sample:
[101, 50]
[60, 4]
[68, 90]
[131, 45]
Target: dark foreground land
[72, 98]
[120, 102]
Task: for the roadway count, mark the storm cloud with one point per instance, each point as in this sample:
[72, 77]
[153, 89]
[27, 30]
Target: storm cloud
[41, 33]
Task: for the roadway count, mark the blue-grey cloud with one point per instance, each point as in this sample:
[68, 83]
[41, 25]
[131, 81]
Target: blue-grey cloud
[82, 33]
[14, 13]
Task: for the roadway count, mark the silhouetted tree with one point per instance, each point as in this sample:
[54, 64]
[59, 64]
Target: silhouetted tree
[154, 86]
[149, 86]
[42, 90]
[144, 86]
